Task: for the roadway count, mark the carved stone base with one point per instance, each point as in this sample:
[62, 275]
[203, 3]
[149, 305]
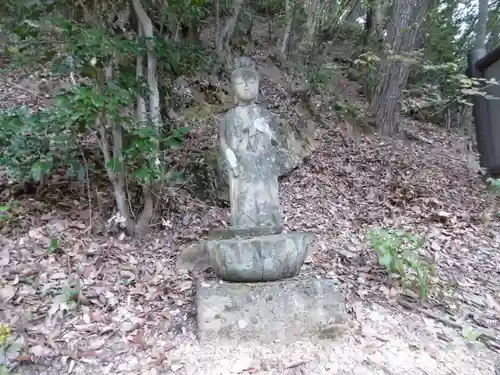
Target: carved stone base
[260, 258]
[285, 311]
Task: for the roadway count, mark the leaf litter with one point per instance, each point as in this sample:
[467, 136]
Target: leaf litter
[80, 303]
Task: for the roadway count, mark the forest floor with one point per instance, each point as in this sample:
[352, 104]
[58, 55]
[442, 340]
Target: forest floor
[135, 312]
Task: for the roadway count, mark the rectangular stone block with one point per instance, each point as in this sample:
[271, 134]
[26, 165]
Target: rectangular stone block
[284, 311]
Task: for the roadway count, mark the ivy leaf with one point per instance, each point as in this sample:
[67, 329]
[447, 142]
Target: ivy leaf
[174, 143]
[386, 259]
[143, 173]
[54, 245]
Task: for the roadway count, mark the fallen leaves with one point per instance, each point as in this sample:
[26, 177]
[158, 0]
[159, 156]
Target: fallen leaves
[129, 293]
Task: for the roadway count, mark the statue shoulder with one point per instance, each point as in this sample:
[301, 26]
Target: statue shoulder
[271, 118]
[264, 112]
[229, 115]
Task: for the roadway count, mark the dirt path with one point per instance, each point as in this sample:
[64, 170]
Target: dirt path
[381, 341]
[384, 342]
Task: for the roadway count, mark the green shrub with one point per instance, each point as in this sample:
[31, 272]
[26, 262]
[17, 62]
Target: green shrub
[397, 252]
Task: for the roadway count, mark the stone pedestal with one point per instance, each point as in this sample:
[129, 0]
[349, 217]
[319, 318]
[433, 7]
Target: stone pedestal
[286, 311]
[259, 258]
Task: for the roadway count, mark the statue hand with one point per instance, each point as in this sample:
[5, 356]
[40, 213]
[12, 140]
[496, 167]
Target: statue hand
[236, 171]
[232, 161]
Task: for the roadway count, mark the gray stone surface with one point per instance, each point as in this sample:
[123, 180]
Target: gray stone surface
[248, 147]
[264, 312]
[292, 146]
[243, 62]
[232, 232]
[193, 257]
[260, 258]
[252, 124]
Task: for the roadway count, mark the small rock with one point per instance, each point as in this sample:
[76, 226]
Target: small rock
[193, 257]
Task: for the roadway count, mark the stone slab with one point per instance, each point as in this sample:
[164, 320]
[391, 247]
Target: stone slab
[284, 311]
[260, 258]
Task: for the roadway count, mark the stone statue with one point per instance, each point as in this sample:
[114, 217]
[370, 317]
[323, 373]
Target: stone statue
[249, 147]
[254, 247]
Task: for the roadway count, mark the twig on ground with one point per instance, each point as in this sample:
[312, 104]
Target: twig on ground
[411, 306]
[416, 137]
[296, 364]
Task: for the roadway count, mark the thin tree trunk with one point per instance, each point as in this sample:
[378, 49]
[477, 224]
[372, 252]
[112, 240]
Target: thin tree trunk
[289, 10]
[494, 37]
[392, 76]
[481, 23]
[421, 38]
[228, 30]
[373, 21]
[355, 11]
[314, 11]
[146, 27]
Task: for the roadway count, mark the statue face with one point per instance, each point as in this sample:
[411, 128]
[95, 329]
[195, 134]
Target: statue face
[245, 83]
[246, 90]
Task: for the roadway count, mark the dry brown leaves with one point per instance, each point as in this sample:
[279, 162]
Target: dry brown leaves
[95, 300]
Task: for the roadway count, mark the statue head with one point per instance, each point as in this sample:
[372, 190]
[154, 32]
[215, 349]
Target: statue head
[245, 83]
[243, 62]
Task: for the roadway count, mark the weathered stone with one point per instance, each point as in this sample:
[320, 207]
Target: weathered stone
[193, 257]
[293, 145]
[243, 62]
[261, 258]
[264, 312]
[228, 233]
[249, 148]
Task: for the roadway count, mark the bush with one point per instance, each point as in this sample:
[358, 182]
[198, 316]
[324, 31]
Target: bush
[33, 144]
[397, 252]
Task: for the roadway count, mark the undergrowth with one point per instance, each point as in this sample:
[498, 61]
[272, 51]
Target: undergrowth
[398, 252]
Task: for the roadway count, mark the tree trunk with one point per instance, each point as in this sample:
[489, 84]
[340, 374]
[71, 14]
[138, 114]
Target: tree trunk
[146, 29]
[494, 37]
[373, 21]
[289, 10]
[481, 24]
[392, 76]
[222, 44]
[354, 12]
[314, 11]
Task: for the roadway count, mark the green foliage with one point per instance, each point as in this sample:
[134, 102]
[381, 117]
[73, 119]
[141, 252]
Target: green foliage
[397, 251]
[434, 89]
[68, 297]
[178, 58]
[348, 110]
[365, 70]
[190, 12]
[5, 334]
[8, 211]
[54, 245]
[268, 7]
[9, 347]
[494, 185]
[33, 144]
